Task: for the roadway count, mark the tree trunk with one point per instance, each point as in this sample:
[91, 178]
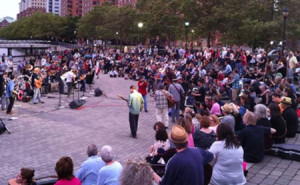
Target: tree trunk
[208, 39]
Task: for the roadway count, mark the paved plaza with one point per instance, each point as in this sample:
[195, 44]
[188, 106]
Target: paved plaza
[43, 133]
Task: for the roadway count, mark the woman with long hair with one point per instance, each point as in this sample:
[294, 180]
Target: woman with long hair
[277, 123]
[228, 153]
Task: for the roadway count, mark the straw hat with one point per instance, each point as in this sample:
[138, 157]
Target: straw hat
[227, 108]
[179, 135]
[286, 100]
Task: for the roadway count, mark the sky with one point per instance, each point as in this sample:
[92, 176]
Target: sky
[9, 8]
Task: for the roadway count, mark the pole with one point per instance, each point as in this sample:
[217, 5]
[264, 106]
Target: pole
[284, 36]
[186, 39]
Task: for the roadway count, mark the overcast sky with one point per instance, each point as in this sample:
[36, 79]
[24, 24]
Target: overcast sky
[9, 8]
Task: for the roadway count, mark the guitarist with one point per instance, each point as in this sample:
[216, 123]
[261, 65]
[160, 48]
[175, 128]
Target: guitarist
[135, 103]
[36, 82]
[82, 78]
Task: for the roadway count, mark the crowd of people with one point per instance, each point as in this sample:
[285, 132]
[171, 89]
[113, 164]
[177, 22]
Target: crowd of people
[226, 108]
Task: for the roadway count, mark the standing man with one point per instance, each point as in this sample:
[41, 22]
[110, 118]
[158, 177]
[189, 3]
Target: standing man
[69, 77]
[36, 83]
[142, 85]
[162, 105]
[9, 94]
[88, 171]
[292, 65]
[235, 84]
[176, 90]
[186, 166]
[135, 104]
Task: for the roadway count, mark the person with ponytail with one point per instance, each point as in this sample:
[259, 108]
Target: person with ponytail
[228, 167]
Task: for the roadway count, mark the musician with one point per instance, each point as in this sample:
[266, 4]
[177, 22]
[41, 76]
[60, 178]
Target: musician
[70, 77]
[82, 75]
[36, 83]
[9, 94]
[135, 103]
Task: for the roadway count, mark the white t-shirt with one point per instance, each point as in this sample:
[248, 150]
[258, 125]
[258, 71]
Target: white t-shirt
[228, 168]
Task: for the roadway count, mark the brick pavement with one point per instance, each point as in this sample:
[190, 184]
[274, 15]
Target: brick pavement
[43, 134]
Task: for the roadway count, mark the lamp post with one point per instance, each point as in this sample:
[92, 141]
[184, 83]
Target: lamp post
[186, 24]
[285, 14]
[140, 25]
[117, 34]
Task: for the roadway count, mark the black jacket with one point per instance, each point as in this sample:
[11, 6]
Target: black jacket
[291, 118]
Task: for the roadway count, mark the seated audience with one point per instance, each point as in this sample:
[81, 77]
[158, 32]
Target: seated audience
[161, 145]
[228, 118]
[252, 138]
[136, 172]
[277, 123]
[25, 177]
[88, 171]
[109, 174]
[228, 153]
[214, 123]
[261, 114]
[204, 137]
[187, 125]
[289, 115]
[64, 169]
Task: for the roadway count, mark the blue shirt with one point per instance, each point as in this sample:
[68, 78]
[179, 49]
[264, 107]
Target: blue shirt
[9, 88]
[110, 175]
[186, 167]
[236, 82]
[88, 171]
[227, 70]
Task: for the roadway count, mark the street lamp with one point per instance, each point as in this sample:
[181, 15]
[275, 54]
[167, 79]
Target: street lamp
[285, 14]
[186, 24]
[117, 33]
[140, 25]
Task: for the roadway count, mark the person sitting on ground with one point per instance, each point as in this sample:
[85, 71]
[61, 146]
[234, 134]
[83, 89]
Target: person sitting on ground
[88, 171]
[228, 153]
[204, 137]
[289, 115]
[158, 125]
[261, 114]
[252, 138]
[25, 177]
[215, 109]
[228, 118]
[277, 123]
[109, 174]
[113, 73]
[186, 166]
[136, 172]
[64, 169]
[161, 145]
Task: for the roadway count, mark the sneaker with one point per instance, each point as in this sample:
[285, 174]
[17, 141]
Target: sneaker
[42, 102]
[146, 110]
[11, 113]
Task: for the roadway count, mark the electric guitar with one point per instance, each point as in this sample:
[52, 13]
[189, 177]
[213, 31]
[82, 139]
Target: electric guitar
[141, 104]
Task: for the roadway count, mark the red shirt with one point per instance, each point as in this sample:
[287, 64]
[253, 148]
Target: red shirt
[143, 87]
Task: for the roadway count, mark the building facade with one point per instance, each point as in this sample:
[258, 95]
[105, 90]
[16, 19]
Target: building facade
[53, 6]
[71, 8]
[29, 7]
[126, 2]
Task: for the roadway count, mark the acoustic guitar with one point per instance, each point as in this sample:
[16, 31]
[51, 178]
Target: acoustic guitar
[141, 105]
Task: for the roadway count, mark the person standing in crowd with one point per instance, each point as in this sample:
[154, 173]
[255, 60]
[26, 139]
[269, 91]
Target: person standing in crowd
[10, 94]
[292, 64]
[162, 105]
[88, 171]
[142, 88]
[135, 103]
[109, 174]
[176, 90]
[235, 84]
[69, 77]
[64, 169]
[36, 83]
[289, 115]
[229, 154]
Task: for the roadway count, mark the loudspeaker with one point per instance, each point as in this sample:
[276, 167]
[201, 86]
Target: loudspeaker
[98, 92]
[76, 104]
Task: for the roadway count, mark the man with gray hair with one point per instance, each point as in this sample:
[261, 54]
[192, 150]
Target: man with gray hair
[88, 171]
[109, 174]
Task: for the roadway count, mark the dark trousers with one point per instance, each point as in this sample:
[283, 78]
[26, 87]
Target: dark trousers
[70, 88]
[133, 120]
[10, 105]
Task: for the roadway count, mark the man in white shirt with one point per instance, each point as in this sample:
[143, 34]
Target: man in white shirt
[69, 77]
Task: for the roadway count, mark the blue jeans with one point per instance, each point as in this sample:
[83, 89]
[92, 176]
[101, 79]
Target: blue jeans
[175, 111]
[36, 95]
[145, 102]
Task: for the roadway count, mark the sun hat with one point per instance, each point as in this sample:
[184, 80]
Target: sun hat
[286, 100]
[178, 134]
